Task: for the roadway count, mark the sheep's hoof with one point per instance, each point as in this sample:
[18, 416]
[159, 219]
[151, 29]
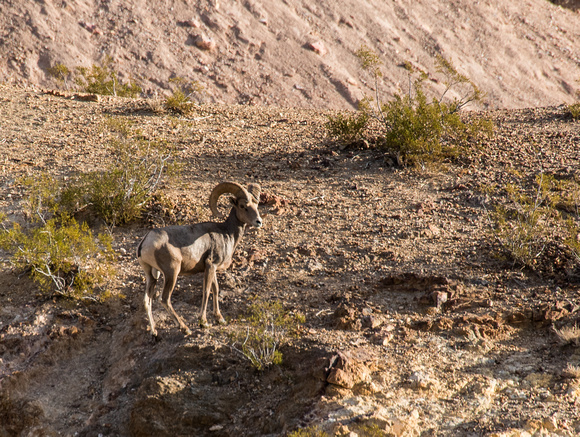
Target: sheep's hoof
[203, 324]
[186, 331]
[222, 321]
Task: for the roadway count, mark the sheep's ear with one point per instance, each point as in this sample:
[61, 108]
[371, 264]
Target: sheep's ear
[234, 201]
[254, 190]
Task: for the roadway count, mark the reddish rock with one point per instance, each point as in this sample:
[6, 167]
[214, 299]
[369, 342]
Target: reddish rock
[346, 371]
[318, 47]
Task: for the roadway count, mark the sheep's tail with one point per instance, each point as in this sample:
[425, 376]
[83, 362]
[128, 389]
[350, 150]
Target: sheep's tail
[141, 245]
[156, 273]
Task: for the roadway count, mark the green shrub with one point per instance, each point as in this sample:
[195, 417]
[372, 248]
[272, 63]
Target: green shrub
[268, 327]
[60, 73]
[60, 255]
[180, 99]
[103, 80]
[574, 110]
[311, 431]
[371, 430]
[416, 127]
[347, 127]
[569, 202]
[522, 227]
[43, 198]
[413, 127]
[119, 194]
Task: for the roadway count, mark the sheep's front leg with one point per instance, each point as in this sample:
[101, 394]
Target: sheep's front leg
[208, 278]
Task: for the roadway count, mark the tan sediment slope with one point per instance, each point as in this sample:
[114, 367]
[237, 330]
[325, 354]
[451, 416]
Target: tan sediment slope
[523, 53]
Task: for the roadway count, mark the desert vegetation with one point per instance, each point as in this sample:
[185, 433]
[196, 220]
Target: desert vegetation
[412, 127]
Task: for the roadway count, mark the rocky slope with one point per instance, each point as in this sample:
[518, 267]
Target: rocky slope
[413, 324]
[299, 54]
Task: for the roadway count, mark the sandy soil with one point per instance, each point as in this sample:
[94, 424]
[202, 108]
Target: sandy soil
[362, 249]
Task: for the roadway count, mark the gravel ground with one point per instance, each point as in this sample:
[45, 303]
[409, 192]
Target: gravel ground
[413, 323]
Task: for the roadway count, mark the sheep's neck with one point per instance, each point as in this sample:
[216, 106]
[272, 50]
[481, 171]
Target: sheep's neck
[236, 227]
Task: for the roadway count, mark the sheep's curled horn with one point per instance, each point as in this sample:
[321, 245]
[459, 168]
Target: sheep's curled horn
[251, 194]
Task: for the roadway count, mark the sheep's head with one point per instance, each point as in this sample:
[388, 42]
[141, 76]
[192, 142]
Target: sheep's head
[245, 201]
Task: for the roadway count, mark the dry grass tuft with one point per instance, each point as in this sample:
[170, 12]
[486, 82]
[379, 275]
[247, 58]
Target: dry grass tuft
[569, 335]
[572, 371]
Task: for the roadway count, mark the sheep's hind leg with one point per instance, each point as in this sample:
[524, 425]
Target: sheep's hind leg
[216, 302]
[170, 280]
[151, 281]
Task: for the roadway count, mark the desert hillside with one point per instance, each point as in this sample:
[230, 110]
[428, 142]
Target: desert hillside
[522, 53]
[441, 299]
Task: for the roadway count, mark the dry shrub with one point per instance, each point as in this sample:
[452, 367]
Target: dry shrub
[269, 327]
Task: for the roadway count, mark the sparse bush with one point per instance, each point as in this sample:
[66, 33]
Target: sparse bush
[43, 200]
[372, 430]
[103, 80]
[180, 99]
[574, 110]
[60, 255]
[347, 127]
[268, 328]
[573, 240]
[569, 202]
[530, 222]
[572, 371]
[415, 128]
[420, 130]
[60, 73]
[522, 227]
[311, 431]
[119, 193]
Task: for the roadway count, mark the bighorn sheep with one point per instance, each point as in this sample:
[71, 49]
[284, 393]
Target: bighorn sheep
[203, 247]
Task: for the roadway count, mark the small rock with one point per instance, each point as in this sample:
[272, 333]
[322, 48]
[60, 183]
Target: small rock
[346, 371]
[346, 317]
[318, 47]
[191, 23]
[87, 97]
[439, 298]
[420, 380]
[371, 322]
[204, 42]
[341, 378]
[313, 265]
[406, 426]
[549, 424]
[382, 339]
[91, 27]
[433, 231]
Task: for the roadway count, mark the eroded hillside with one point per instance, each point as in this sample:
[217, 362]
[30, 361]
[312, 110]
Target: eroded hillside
[299, 54]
